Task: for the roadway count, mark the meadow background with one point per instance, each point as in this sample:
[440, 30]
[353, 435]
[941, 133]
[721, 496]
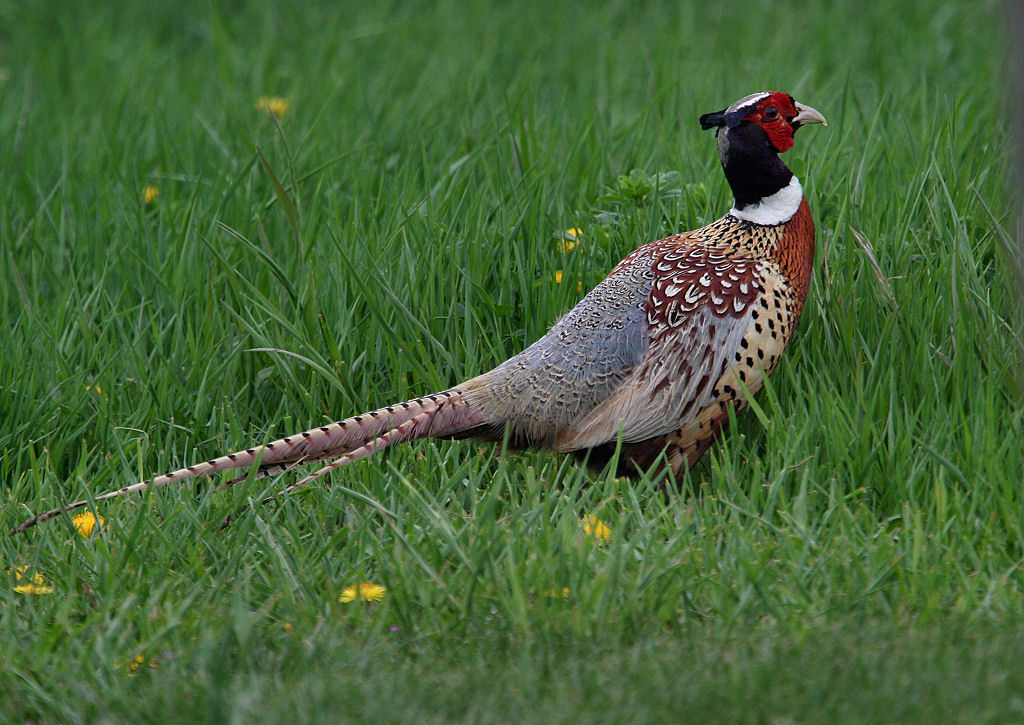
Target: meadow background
[850, 552]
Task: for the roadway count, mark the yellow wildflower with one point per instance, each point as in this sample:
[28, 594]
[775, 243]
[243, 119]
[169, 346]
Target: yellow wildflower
[96, 389]
[274, 105]
[149, 193]
[86, 523]
[367, 591]
[35, 584]
[560, 275]
[568, 241]
[554, 593]
[136, 662]
[132, 666]
[593, 526]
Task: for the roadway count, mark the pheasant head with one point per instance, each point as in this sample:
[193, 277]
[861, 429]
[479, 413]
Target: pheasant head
[752, 132]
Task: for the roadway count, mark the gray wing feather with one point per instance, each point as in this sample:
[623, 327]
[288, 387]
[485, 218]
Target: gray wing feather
[670, 386]
[582, 359]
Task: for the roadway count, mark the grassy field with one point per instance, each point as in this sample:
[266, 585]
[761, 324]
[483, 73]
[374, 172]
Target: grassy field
[851, 552]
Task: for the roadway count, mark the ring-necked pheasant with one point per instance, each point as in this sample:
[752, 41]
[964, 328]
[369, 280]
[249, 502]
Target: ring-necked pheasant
[651, 359]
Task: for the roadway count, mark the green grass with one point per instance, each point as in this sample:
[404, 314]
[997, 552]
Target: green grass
[853, 551]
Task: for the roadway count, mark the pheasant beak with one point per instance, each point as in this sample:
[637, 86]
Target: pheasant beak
[805, 115]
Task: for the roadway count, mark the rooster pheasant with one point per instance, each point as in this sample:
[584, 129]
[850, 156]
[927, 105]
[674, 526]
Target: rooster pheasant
[651, 360]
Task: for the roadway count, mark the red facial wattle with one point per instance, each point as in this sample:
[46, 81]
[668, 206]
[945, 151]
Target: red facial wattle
[774, 114]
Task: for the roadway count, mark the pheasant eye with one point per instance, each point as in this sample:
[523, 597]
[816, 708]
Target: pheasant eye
[771, 113]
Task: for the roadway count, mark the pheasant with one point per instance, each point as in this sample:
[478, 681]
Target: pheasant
[648, 363]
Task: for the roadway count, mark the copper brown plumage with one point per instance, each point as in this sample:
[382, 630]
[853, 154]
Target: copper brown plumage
[649, 362]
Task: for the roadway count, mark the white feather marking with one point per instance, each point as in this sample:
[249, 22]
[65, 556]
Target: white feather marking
[775, 209]
[692, 294]
[705, 280]
[748, 101]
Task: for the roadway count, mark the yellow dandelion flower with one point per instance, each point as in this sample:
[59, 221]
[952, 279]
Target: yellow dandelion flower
[274, 105]
[150, 193]
[593, 526]
[367, 591]
[132, 666]
[34, 584]
[579, 286]
[554, 593]
[558, 276]
[568, 241]
[96, 389]
[86, 523]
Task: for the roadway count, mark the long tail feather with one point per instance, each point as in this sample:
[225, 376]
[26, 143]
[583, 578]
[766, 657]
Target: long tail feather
[449, 417]
[439, 415]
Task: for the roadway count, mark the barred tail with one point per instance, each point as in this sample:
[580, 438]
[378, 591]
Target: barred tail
[439, 415]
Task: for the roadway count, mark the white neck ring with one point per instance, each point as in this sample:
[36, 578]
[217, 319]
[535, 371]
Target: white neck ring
[775, 209]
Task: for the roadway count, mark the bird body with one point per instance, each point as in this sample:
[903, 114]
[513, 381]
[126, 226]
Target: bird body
[652, 359]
